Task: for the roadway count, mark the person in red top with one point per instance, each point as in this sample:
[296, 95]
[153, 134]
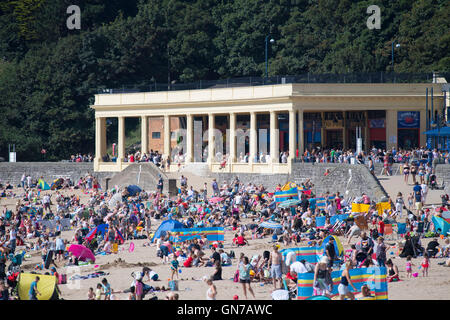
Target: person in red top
[188, 262]
[380, 226]
[241, 240]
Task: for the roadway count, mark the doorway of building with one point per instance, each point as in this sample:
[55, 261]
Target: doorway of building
[334, 138]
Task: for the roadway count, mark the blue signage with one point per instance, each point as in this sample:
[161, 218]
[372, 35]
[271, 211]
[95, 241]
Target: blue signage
[408, 119]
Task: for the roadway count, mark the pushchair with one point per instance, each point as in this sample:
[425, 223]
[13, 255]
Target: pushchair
[433, 182]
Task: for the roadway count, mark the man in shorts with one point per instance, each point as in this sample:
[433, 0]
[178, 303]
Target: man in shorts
[275, 266]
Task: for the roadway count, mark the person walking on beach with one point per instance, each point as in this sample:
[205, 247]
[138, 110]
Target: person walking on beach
[244, 276]
[345, 282]
[275, 266]
[425, 264]
[32, 294]
[211, 293]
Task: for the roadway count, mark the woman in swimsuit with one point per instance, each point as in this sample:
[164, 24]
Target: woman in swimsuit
[406, 172]
[345, 282]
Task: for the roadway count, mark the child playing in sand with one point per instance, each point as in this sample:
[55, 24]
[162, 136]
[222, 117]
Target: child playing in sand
[106, 289]
[425, 264]
[174, 266]
[91, 294]
[409, 265]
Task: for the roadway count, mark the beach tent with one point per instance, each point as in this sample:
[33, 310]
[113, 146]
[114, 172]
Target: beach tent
[166, 226]
[46, 286]
[133, 189]
[100, 229]
[57, 183]
[43, 185]
[440, 223]
[337, 245]
[81, 252]
[288, 186]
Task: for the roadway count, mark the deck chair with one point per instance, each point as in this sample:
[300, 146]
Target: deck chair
[337, 227]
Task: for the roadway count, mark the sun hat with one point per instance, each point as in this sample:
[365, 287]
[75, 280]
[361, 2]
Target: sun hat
[324, 259]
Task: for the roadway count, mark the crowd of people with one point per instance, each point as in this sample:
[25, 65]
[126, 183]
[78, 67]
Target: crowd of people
[239, 208]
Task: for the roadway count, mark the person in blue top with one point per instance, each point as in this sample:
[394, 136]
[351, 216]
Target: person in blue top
[32, 294]
[312, 204]
[418, 196]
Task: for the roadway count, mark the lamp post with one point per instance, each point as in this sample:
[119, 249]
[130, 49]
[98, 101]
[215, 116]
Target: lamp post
[267, 65]
[392, 54]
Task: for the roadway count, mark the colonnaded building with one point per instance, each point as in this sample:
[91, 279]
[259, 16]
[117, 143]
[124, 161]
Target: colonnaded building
[264, 121]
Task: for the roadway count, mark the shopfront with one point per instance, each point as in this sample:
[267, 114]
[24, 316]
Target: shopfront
[408, 124]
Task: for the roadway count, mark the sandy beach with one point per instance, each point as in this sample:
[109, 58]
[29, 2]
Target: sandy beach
[120, 266]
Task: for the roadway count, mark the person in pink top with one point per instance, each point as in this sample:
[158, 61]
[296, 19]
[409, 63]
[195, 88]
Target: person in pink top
[409, 265]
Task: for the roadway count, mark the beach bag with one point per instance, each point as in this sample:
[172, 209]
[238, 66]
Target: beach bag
[173, 285]
[62, 279]
[236, 276]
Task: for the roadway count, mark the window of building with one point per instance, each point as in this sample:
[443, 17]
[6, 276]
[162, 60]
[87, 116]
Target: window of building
[156, 135]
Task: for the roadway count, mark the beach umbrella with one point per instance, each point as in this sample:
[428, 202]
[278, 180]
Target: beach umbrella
[215, 199]
[81, 252]
[114, 200]
[133, 189]
[271, 225]
[289, 203]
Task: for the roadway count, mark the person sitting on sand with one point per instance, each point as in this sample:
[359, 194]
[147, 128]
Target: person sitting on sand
[393, 274]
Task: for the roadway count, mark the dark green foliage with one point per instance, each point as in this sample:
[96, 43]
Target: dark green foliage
[49, 74]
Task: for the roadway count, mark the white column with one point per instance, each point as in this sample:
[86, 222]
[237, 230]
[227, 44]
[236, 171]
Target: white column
[253, 138]
[344, 132]
[121, 142]
[292, 134]
[167, 137]
[144, 135]
[274, 138]
[100, 141]
[301, 139]
[210, 138]
[189, 137]
[232, 137]
[391, 129]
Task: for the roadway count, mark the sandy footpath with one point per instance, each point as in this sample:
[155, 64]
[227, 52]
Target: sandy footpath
[435, 286]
